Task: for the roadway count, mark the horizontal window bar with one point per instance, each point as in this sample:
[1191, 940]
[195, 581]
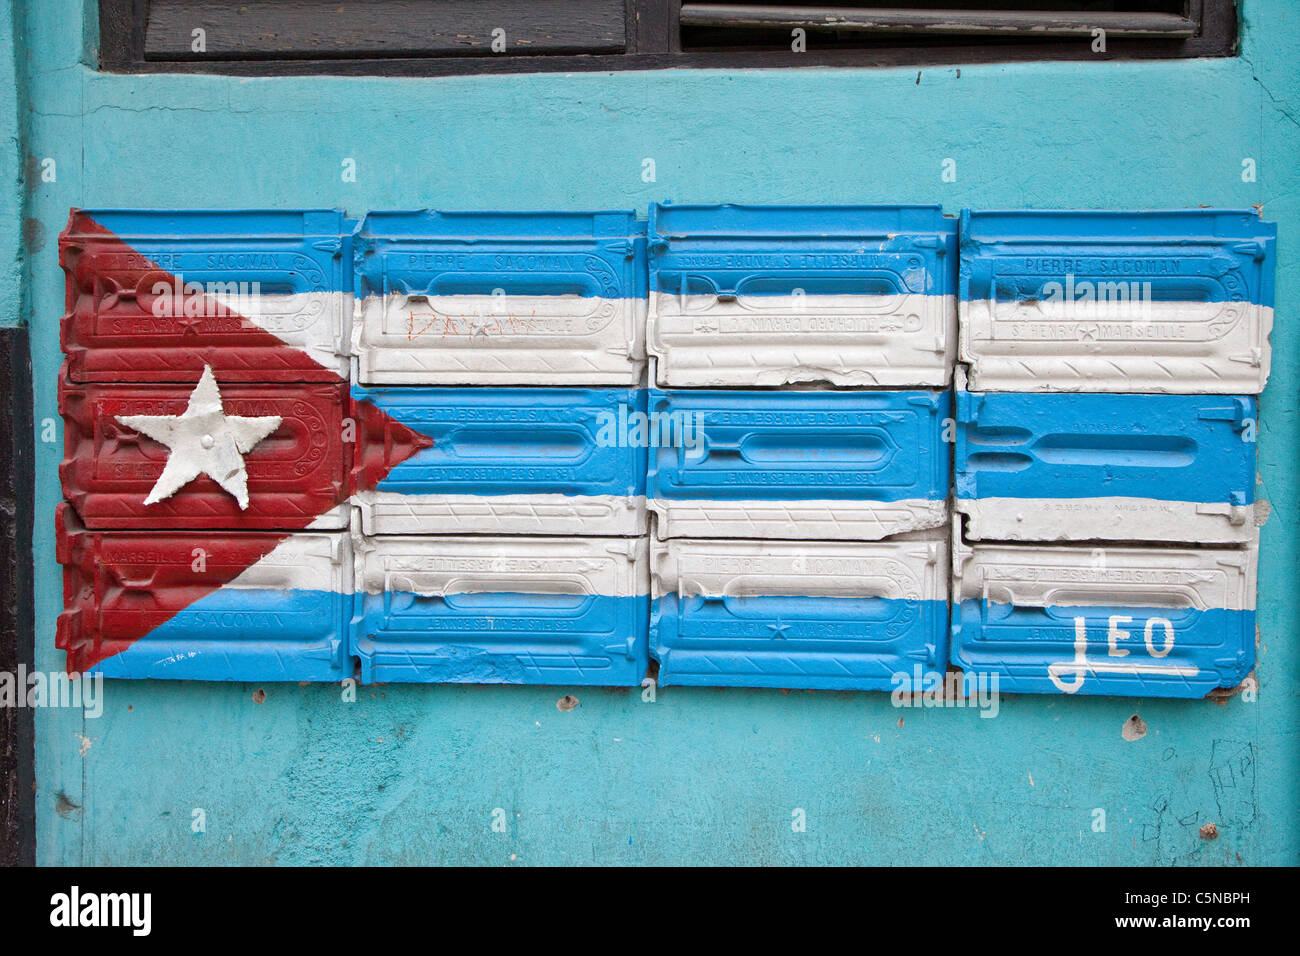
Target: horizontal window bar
[937, 22]
[243, 29]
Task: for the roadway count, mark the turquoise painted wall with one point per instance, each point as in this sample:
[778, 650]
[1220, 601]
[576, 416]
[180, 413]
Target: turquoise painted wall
[413, 774]
[11, 174]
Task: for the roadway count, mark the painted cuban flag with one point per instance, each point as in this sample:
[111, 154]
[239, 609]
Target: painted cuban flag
[224, 476]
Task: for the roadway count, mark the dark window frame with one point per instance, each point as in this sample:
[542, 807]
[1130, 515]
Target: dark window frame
[653, 42]
[17, 648]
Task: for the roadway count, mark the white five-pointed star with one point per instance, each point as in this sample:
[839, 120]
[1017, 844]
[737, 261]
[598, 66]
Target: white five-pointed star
[203, 441]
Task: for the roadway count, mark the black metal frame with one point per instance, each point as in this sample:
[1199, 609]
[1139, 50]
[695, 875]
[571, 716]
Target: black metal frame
[653, 42]
[17, 769]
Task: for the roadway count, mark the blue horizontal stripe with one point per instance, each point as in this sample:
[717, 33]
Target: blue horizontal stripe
[755, 251]
[584, 254]
[1189, 255]
[795, 641]
[502, 638]
[1079, 445]
[510, 441]
[244, 634]
[1020, 643]
[888, 275]
[791, 446]
[283, 252]
[506, 637]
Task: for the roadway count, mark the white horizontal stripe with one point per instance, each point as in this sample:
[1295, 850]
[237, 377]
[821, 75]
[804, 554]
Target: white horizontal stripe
[388, 512]
[427, 565]
[1174, 347]
[1118, 519]
[1024, 575]
[896, 341]
[836, 520]
[513, 339]
[306, 561]
[332, 520]
[317, 323]
[914, 567]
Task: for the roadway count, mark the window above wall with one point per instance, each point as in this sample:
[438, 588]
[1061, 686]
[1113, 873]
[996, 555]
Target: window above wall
[443, 37]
